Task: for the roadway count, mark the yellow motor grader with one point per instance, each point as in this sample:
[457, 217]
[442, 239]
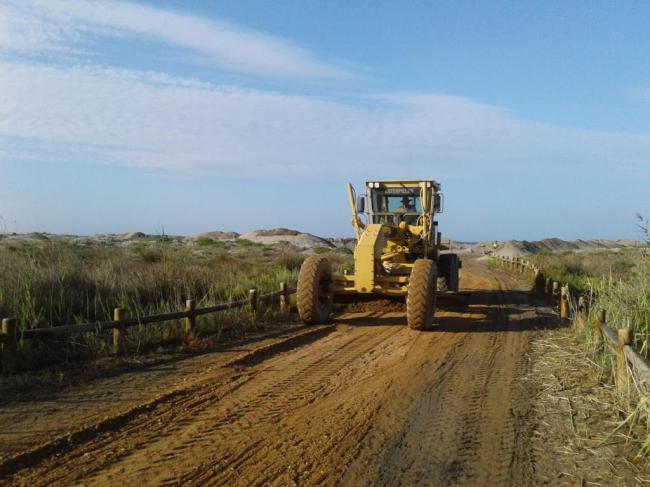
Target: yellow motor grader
[397, 254]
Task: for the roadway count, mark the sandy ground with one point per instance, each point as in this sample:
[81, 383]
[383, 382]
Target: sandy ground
[364, 401]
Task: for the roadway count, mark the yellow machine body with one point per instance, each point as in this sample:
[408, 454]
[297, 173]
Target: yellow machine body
[391, 239]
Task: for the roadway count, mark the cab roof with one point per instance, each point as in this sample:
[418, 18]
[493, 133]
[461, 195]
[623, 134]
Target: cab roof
[410, 183]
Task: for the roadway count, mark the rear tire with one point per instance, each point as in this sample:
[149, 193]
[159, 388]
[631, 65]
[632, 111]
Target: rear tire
[421, 294]
[313, 295]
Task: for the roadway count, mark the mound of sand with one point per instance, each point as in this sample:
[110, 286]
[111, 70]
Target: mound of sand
[519, 248]
[281, 235]
[276, 232]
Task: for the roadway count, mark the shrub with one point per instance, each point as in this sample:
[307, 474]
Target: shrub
[204, 241]
[244, 242]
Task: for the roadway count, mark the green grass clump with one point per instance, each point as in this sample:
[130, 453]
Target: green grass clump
[290, 259]
[204, 241]
[244, 242]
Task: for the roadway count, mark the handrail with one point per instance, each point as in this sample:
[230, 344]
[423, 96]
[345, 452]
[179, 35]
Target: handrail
[143, 320]
[10, 335]
[552, 291]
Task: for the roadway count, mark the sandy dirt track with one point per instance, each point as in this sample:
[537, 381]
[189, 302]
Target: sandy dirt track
[365, 401]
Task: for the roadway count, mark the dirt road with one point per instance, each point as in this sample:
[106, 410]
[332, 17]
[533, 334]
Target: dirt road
[365, 401]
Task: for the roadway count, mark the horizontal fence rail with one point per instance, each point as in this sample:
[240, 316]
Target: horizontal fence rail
[619, 342]
[10, 335]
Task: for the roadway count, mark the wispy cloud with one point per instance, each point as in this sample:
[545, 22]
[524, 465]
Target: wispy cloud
[59, 26]
[58, 111]
[145, 119]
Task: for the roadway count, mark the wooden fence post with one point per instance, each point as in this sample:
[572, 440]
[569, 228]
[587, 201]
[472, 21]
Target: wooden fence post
[119, 332]
[252, 301]
[625, 337]
[583, 307]
[539, 284]
[190, 321]
[601, 319]
[548, 290]
[284, 299]
[581, 313]
[556, 291]
[9, 345]
[564, 303]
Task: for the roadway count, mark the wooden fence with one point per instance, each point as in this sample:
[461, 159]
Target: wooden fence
[10, 335]
[620, 342]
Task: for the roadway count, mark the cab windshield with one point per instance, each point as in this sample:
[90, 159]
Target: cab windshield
[392, 205]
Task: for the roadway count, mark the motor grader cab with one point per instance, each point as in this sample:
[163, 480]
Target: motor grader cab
[397, 254]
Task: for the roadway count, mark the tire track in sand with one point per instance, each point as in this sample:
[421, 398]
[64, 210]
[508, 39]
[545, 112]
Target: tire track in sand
[164, 445]
[460, 429]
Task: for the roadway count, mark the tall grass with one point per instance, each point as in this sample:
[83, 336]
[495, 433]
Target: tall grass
[627, 298]
[627, 302]
[579, 270]
[618, 282]
[53, 283]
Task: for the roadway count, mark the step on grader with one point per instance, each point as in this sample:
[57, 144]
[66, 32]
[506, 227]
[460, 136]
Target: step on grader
[398, 253]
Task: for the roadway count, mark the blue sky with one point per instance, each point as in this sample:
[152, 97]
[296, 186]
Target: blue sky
[194, 116]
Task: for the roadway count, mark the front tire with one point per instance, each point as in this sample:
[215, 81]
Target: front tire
[421, 294]
[314, 296]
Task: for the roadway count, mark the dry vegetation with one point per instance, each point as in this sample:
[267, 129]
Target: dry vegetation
[618, 282]
[53, 283]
